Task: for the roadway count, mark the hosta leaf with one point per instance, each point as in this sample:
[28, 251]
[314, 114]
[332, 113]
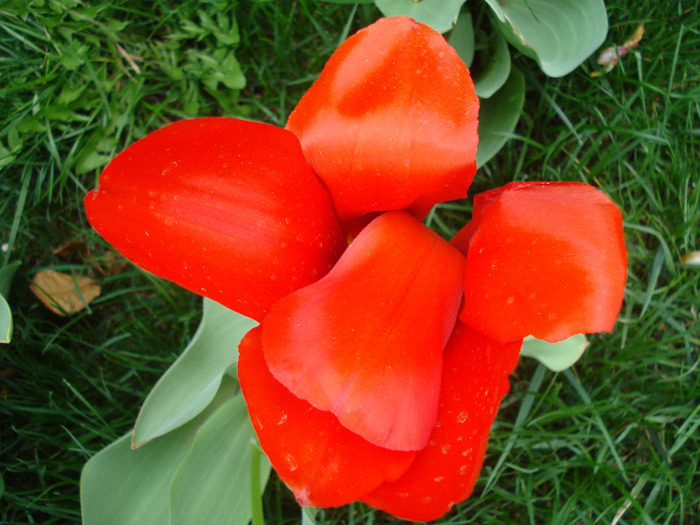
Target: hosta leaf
[498, 116]
[559, 34]
[462, 38]
[192, 381]
[438, 14]
[555, 356]
[213, 483]
[492, 66]
[122, 486]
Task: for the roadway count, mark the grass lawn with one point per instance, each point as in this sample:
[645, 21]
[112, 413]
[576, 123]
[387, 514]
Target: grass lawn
[614, 440]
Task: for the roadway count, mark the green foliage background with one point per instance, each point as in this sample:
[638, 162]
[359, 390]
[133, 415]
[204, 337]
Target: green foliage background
[613, 441]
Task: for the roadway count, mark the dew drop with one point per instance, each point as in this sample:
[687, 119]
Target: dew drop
[463, 416]
[291, 462]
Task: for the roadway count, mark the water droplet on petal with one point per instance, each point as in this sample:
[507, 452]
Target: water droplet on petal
[291, 462]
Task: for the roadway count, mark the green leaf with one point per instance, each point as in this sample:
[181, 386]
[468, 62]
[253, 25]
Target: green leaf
[441, 15]
[123, 486]
[5, 321]
[462, 38]
[212, 485]
[498, 116]
[492, 66]
[191, 382]
[559, 34]
[555, 356]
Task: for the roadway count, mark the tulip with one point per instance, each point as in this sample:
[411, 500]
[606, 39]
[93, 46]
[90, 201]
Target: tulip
[372, 375]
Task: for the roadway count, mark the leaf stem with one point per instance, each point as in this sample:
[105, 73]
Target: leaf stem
[255, 492]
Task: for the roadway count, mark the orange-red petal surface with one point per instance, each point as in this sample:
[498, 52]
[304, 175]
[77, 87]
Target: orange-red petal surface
[226, 208]
[543, 259]
[475, 379]
[365, 342]
[323, 463]
[391, 123]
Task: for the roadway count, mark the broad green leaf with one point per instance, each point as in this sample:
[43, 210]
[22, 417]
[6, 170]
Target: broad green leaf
[350, 1]
[441, 15]
[192, 381]
[121, 486]
[212, 485]
[559, 34]
[5, 321]
[498, 116]
[555, 356]
[492, 66]
[125, 486]
[462, 38]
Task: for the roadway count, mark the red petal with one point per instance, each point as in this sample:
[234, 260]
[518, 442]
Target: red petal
[323, 463]
[226, 208]
[474, 380]
[391, 123]
[544, 259]
[365, 342]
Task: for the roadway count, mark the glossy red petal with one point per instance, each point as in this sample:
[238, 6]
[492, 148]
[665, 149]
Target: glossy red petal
[544, 259]
[323, 463]
[391, 123]
[365, 342]
[226, 208]
[474, 380]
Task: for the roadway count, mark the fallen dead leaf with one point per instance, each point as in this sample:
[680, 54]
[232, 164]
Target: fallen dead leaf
[62, 293]
[610, 56]
[68, 250]
[691, 259]
[111, 263]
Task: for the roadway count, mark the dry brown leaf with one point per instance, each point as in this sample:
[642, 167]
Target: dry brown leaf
[691, 259]
[69, 249]
[111, 263]
[610, 56]
[62, 293]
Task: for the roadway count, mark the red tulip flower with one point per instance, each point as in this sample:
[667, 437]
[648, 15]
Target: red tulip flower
[372, 375]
